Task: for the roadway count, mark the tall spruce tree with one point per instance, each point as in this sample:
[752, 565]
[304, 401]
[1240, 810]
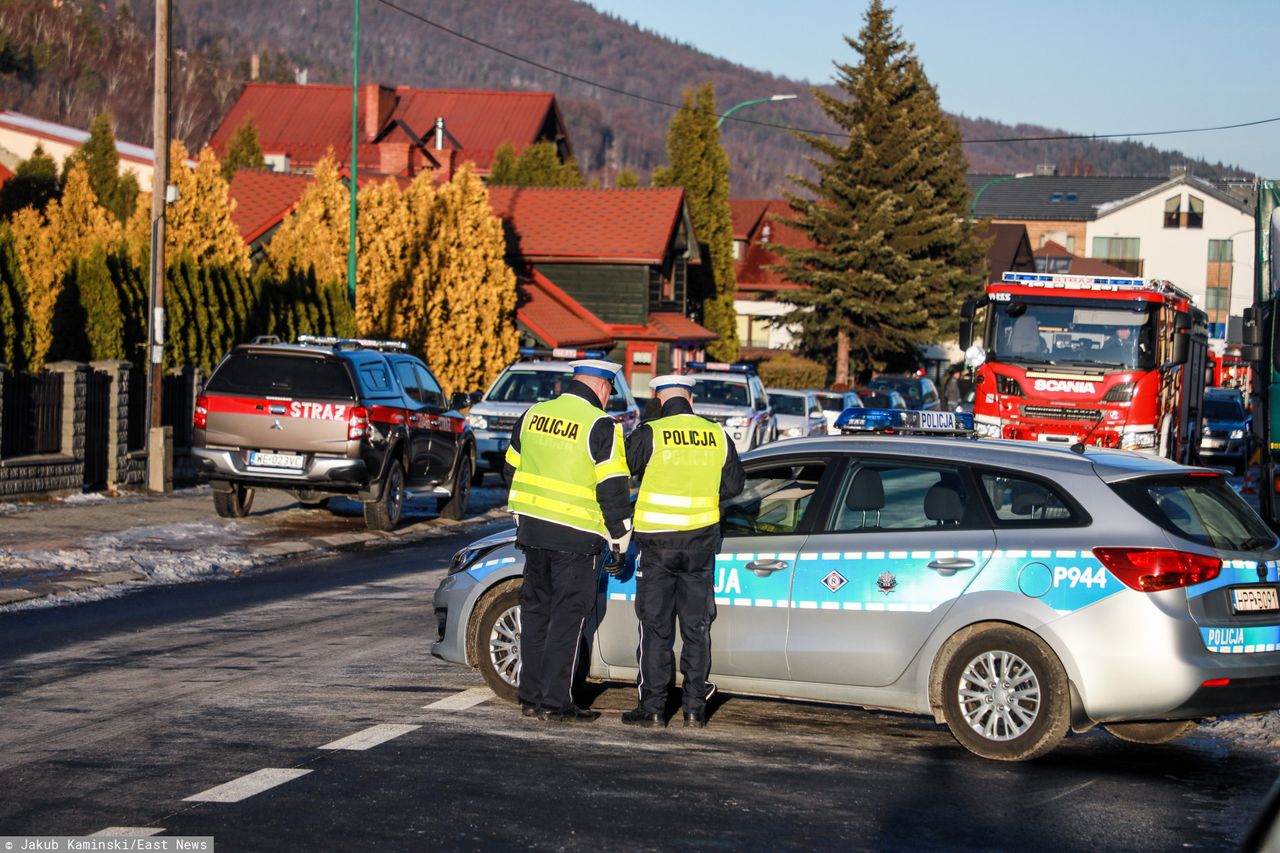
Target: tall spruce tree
[34, 184]
[244, 150]
[115, 192]
[701, 166]
[893, 247]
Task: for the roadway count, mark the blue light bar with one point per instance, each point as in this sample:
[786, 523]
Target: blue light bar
[720, 366]
[860, 421]
[1067, 280]
[559, 352]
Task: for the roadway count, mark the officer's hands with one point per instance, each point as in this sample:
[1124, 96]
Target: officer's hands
[621, 544]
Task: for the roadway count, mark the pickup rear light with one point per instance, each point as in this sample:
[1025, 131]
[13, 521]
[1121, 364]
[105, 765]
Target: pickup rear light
[1154, 569]
[357, 423]
[200, 418]
[455, 425]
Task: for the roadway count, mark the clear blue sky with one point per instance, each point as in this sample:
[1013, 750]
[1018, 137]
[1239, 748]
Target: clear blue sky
[1118, 66]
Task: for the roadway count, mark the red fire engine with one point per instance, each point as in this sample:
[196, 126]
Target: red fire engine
[1112, 362]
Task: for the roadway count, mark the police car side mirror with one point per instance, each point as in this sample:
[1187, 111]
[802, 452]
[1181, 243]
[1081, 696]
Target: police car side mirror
[974, 357]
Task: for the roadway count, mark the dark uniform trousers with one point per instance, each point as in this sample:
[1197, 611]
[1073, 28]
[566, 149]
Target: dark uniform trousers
[558, 595]
[671, 584]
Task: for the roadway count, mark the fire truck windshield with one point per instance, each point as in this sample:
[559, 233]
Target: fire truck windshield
[1059, 330]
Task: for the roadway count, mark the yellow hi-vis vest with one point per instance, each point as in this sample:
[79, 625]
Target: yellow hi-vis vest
[680, 489]
[556, 477]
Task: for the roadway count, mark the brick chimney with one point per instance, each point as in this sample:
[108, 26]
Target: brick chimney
[393, 157]
[377, 102]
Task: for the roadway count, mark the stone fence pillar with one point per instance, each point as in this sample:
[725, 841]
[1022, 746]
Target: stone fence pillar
[117, 420]
[75, 389]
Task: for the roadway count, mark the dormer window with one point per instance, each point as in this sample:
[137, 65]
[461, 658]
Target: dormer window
[766, 232]
[1171, 210]
[1195, 212]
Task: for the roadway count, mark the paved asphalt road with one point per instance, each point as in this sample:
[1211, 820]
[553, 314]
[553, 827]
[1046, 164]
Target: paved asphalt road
[116, 712]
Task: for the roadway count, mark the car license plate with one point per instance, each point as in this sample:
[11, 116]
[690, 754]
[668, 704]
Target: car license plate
[937, 420]
[1253, 599]
[275, 460]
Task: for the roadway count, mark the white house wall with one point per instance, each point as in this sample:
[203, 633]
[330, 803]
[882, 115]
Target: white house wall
[24, 145]
[1181, 255]
[779, 337]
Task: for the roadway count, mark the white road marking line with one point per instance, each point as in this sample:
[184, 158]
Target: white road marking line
[246, 786]
[461, 701]
[128, 832]
[370, 737]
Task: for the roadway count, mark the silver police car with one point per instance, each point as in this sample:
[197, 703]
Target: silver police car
[541, 375]
[1014, 591]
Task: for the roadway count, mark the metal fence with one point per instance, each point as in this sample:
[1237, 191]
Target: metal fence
[176, 402]
[32, 414]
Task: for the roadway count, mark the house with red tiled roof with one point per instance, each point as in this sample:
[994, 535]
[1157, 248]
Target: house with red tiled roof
[759, 228]
[599, 269]
[605, 268]
[5, 174]
[401, 131]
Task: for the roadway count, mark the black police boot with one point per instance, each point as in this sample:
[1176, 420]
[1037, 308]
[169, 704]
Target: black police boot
[695, 719]
[641, 717]
[574, 714]
[527, 710]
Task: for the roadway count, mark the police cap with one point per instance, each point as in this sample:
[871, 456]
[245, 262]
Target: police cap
[671, 380]
[596, 367]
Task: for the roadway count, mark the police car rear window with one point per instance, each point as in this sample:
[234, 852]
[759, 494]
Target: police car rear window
[271, 375]
[1204, 509]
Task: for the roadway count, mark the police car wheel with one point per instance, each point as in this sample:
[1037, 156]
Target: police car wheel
[498, 642]
[233, 504]
[1151, 733]
[1005, 695]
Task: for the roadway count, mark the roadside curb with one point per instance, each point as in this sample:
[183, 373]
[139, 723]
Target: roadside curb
[436, 528]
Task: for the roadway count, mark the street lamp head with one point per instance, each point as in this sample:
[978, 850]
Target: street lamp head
[784, 97]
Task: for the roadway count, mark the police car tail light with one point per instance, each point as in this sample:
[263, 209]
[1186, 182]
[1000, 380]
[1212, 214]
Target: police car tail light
[1008, 385]
[357, 423]
[200, 418]
[1154, 569]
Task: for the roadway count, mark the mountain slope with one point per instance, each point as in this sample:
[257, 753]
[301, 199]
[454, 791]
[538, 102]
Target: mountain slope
[609, 131]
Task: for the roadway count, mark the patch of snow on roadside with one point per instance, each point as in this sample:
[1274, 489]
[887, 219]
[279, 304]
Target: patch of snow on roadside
[86, 498]
[5, 509]
[1251, 730]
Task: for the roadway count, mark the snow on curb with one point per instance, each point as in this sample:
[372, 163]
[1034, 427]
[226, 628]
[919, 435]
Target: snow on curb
[1250, 730]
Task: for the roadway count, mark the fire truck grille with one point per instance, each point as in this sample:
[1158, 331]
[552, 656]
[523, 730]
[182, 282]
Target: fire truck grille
[1055, 413]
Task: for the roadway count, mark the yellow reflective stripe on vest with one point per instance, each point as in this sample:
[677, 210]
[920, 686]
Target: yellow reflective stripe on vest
[513, 457]
[526, 478]
[681, 501]
[666, 521]
[583, 513]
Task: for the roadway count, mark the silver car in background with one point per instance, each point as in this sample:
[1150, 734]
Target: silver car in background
[797, 412]
[1012, 591]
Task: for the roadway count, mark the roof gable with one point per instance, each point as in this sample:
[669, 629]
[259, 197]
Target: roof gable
[635, 225]
[1191, 182]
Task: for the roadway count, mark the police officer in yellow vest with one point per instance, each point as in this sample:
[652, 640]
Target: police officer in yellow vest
[686, 465]
[570, 493]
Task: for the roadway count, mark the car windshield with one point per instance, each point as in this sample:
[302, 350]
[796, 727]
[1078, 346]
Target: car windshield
[1060, 330]
[719, 392]
[908, 388]
[1223, 409]
[1204, 509]
[255, 374]
[788, 404]
[876, 399]
[529, 386]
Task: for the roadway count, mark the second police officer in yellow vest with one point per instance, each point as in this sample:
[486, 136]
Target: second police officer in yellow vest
[686, 466]
[570, 495]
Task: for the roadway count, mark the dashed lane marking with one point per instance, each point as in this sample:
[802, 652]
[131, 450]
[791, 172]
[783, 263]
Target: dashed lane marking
[370, 737]
[128, 832]
[461, 701]
[246, 786]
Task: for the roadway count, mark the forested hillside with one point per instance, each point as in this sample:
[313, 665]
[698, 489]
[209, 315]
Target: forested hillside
[62, 63]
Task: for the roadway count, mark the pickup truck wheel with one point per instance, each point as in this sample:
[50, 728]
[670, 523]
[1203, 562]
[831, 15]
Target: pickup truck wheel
[384, 513]
[1005, 695]
[454, 507]
[1151, 733]
[235, 503]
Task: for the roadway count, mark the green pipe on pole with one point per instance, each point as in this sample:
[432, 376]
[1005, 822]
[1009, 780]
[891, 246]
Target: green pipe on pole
[724, 115]
[355, 104]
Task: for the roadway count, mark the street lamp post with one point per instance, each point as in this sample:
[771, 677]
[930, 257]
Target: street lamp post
[973, 205]
[737, 107]
[355, 103]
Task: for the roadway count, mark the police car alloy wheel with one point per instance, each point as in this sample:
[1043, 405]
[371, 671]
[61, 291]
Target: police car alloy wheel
[497, 642]
[1005, 695]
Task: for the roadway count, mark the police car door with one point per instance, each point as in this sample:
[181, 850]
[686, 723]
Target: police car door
[764, 533]
[902, 540]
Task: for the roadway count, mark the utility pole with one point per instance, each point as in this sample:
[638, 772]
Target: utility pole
[158, 449]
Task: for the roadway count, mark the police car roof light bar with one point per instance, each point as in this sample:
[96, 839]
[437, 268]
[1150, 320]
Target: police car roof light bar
[559, 352]
[863, 421]
[352, 343]
[720, 366]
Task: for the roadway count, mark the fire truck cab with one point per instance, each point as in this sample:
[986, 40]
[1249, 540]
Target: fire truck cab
[1066, 359]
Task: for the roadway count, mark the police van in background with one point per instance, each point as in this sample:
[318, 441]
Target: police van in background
[733, 396]
[540, 375]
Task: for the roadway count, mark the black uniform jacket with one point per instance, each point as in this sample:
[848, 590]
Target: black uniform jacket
[614, 494]
[639, 451]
